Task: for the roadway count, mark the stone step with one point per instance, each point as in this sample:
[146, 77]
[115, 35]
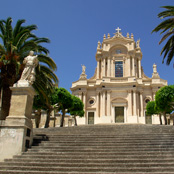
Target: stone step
[69, 139]
[96, 156]
[57, 172]
[99, 153]
[99, 160]
[103, 134]
[91, 150]
[112, 147]
[91, 169]
[75, 164]
[59, 144]
[170, 142]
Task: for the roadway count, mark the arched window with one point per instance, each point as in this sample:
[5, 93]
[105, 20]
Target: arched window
[118, 69]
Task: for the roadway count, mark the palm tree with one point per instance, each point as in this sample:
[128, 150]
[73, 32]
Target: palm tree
[167, 27]
[16, 44]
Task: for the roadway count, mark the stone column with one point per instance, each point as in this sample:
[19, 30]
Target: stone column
[108, 103]
[139, 66]
[104, 67]
[153, 95]
[113, 68]
[98, 69]
[101, 103]
[133, 66]
[138, 103]
[98, 105]
[141, 103]
[129, 66]
[130, 102]
[109, 67]
[84, 100]
[80, 95]
[104, 102]
[135, 103]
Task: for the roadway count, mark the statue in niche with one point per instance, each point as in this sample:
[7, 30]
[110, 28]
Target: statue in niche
[28, 73]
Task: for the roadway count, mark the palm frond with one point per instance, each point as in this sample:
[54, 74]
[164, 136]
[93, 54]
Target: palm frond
[164, 26]
[41, 49]
[168, 46]
[167, 13]
[48, 61]
[17, 27]
[166, 36]
[170, 54]
[49, 73]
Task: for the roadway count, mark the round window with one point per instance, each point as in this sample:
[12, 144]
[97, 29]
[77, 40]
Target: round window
[147, 100]
[91, 101]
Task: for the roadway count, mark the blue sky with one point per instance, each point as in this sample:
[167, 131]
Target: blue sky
[75, 26]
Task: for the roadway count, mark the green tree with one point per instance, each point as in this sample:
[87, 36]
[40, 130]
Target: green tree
[167, 28]
[38, 106]
[164, 100]
[64, 101]
[16, 44]
[151, 109]
[48, 104]
[77, 109]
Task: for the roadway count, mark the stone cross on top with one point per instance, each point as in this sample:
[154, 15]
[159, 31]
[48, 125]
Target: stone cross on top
[118, 30]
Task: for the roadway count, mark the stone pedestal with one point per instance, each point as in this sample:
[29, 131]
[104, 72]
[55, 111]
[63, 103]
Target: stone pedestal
[16, 133]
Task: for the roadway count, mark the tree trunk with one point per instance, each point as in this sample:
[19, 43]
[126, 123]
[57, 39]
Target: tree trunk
[160, 119]
[5, 105]
[48, 118]
[165, 118]
[62, 118]
[8, 78]
[37, 118]
[75, 120]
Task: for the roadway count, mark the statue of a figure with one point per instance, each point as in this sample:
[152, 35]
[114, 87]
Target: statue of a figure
[138, 43]
[83, 69]
[28, 73]
[154, 68]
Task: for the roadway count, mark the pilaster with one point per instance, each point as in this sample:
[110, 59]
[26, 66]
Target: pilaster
[98, 69]
[98, 104]
[133, 66]
[104, 103]
[141, 103]
[130, 102]
[108, 103]
[134, 103]
[139, 67]
[109, 68]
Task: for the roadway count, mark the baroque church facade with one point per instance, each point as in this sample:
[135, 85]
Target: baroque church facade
[119, 90]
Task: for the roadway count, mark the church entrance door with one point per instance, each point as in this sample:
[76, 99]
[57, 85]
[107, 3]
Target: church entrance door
[90, 117]
[119, 114]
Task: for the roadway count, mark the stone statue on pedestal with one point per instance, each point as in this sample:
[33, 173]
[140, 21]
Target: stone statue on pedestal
[83, 75]
[155, 73]
[28, 74]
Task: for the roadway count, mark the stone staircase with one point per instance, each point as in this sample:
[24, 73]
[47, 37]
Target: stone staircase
[135, 149]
